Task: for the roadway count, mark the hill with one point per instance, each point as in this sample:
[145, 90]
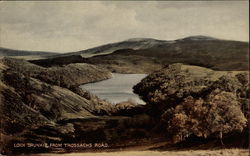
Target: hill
[37, 107]
[45, 105]
[206, 52]
[134, 43]
[23, 53]
[147, 55]
[196, 102]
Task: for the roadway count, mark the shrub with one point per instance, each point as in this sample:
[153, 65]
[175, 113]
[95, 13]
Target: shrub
[219, 113]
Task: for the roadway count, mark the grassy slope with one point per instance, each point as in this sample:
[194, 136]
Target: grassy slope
[215, 54]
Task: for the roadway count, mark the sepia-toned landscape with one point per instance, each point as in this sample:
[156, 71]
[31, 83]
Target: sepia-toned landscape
[187, 96]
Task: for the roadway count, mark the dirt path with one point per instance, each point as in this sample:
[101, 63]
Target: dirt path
[224, 152]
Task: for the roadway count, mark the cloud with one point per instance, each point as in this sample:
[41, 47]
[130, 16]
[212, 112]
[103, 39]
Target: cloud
[69, 26]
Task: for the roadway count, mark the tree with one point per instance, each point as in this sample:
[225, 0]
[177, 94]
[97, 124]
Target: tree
[219, 113]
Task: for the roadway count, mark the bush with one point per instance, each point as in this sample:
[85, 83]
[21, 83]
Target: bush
[195, 101]
[219, 113]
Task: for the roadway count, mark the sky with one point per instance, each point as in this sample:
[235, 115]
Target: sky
[62, 26]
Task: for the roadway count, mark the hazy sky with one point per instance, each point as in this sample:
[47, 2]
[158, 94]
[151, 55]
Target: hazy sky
[70, 26]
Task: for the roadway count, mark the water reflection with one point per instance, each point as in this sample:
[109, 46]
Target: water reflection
[116, 89]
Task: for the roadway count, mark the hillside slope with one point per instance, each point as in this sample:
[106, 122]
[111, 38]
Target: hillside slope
[214, 54]
[36, 109]
[12, 52]
[192, 101]
[134, 43]
[46, 105]
[152, 55]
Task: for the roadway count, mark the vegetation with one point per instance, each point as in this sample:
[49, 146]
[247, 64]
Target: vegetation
[194, 101]
[148, 55]
[214, 54]
[43, 103]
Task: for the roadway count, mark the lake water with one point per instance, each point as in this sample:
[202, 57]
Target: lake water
[117, 89]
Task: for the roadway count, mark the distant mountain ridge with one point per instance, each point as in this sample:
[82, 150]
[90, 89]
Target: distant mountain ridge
[133, 43]
[13, 52]
[198, 37]
[145, 55]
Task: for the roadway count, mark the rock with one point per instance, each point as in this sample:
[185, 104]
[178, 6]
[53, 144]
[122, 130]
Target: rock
[65, 76]
[35, 109]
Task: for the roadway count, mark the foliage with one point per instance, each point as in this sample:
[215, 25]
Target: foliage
[217, 114]
[195, 101]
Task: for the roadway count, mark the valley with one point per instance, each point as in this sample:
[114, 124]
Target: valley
[61, 97]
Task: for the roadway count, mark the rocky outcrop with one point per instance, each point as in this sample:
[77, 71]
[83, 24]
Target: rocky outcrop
[51, 101]
[36, 112]
[194, 101]
[36, 109]
[64, 76]
[52, 93]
